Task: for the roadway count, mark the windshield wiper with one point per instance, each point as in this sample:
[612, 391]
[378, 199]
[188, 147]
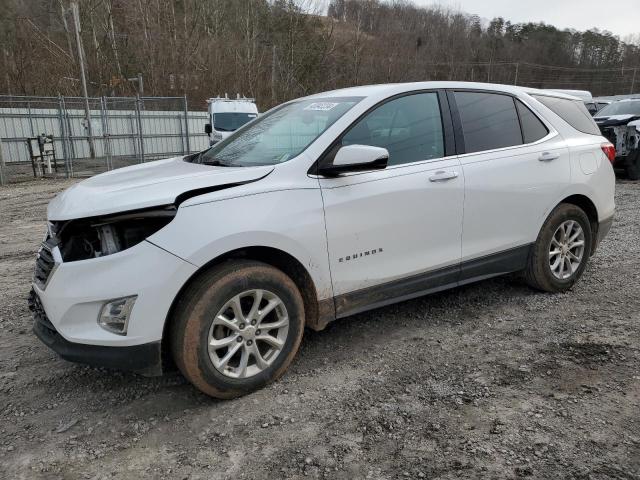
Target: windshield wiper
[195, 157]
[216, 163]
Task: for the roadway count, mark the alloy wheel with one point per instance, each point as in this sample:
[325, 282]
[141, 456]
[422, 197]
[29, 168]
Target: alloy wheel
[248, 333]
[566, 250]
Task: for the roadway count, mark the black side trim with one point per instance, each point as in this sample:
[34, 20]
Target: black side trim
[396, 291]
[508, 261]
[511, 260]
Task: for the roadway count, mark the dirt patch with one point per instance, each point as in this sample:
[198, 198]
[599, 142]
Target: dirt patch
[491, 380]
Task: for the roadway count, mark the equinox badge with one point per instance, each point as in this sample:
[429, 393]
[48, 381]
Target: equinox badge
[359, 255]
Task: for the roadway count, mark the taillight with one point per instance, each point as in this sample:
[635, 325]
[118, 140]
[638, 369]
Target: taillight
[609, 150]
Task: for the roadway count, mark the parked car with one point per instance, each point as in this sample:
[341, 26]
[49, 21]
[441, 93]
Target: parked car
[590, 103]
[619, 122]
[324, 207]
[594, 106]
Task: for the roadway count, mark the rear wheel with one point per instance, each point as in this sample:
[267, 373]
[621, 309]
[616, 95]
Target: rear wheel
[561, 251]
[237, 328]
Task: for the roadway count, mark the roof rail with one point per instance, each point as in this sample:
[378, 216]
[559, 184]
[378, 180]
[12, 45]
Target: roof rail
[227, 99]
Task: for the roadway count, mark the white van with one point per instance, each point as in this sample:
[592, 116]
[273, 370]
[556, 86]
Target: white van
[227, 115]
[586, 97]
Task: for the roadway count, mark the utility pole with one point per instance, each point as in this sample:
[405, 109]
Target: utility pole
[3, 180]
[274, 73]
[633, 80]
[83, 77]
[515, 82]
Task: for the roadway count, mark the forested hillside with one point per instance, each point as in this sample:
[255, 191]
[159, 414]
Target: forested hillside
[276, 50]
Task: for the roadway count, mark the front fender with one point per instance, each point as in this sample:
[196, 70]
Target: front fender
[287, 220]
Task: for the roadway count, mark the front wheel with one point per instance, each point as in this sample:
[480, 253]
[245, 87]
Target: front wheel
[237, 328]
[562, 249]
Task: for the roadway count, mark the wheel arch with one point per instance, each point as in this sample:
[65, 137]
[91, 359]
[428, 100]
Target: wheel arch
[318, 313]
[587, 205]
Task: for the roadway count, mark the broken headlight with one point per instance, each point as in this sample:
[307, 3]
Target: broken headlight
[99, 236]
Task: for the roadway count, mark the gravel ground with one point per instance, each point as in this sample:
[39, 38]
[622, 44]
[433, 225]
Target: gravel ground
[492, 380]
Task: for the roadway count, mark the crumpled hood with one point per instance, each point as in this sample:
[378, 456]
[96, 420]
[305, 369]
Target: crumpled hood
[615, 120]
[146, 185]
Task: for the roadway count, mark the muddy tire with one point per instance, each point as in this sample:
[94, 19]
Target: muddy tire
[237, 328]
[560, 254]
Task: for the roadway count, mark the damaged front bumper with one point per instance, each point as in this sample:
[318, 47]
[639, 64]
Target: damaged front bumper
[67, 306]
[145, 359]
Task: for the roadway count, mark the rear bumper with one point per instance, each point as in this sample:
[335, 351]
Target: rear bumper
[603, 229]
[145, 358]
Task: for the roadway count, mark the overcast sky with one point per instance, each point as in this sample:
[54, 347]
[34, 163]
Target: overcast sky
[621, 17]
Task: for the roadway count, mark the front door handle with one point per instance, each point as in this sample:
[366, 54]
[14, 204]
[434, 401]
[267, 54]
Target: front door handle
[442, 176]
[548, 156]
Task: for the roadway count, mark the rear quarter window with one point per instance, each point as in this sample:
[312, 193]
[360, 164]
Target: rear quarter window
[571, 111]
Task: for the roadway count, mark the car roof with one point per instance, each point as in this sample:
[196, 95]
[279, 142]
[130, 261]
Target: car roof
[387, 89]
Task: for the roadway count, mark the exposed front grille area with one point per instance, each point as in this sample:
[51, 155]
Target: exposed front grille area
[44, 263]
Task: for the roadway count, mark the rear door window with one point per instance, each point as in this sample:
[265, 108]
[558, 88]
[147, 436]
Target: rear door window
[571, 111]
[489, 121]
[532, 127]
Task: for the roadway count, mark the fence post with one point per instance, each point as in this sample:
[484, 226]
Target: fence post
[140, 134]
[186, 125]
[33, 133]
[183, 145]
[106, 143]
[62, 138]
[72, 147]
[3, 178]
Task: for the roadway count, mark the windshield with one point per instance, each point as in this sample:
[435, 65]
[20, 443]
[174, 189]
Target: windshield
[279, 135]
[621, 108]
[231, 121]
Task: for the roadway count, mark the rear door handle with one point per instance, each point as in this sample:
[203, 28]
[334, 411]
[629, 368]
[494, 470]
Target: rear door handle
[548, 156]
[442, 176]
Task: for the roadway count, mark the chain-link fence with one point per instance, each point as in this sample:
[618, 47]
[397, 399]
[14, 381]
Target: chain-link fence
[119, 131]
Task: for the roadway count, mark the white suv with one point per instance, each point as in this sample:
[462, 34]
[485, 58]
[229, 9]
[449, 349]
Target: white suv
[324, 207]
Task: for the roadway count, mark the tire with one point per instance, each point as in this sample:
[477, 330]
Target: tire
[633, 170]
[206, 313]
[539, 272]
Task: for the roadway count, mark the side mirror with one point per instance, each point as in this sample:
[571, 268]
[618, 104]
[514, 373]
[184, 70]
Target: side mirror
[356, 158]
[207, 128]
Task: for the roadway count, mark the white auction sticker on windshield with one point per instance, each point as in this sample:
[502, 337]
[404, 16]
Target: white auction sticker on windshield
[321, 106]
